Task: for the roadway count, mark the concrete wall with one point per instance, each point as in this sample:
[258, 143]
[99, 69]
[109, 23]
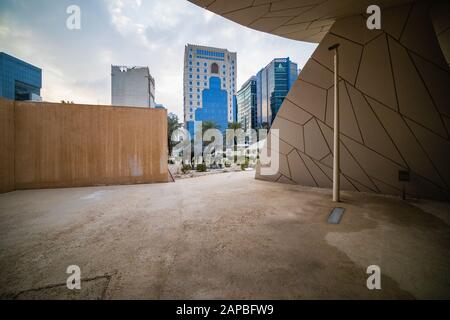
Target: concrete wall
[62, 145]
[394, 107]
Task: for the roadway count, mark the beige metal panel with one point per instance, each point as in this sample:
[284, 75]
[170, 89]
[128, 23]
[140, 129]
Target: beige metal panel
[437, 82]
[290, 132]
[375, 73]
[299, 171]
[394, 19]
[373, 132]
[349, 56]
[284, 166]
[414, 100]
[314, 72]
[354, 28]
[309, 97]
[436, 148]
[320, 177]
[417, 34]
[349, 125]
[6, 145]
[306, 17]
[406, 142]
[315, 144]
[292, 112]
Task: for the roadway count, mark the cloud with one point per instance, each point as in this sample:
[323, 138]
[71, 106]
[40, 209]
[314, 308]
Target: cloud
[76, 65]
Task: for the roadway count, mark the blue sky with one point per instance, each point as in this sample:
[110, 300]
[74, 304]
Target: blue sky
[153, 33]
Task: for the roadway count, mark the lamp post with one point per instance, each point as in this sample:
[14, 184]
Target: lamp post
[336, 165]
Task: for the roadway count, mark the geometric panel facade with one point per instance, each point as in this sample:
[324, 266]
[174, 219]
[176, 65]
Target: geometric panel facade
[394, 93]
[394, 111]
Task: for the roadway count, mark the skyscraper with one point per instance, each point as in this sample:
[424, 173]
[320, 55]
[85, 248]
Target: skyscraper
[19, 80]
[273, 84]
[132, 87]
[246, 105]
[209, 86]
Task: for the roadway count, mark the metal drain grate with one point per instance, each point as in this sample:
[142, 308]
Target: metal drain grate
[336, 215]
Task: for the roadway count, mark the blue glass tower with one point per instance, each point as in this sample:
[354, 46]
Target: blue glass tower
[214, 106]
[19, 80]
[209, 86]
[273, 83]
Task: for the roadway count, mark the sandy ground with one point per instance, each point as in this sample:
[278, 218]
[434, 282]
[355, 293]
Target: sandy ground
[220, 236]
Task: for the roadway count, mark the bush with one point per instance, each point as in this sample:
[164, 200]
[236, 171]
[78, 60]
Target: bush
[201, 167]
[245, 164]
[186, 168]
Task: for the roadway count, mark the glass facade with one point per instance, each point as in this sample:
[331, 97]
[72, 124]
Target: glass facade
[19, 80]
[246, 101]
[214, 106]
[273, 84]
[203, 67]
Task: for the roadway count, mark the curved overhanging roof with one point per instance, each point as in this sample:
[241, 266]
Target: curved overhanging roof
[305, 20]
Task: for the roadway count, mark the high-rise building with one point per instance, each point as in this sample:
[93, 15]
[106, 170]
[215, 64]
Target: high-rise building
[19, 80]
[132, 87]
[209, 86]
[273, 84]
[246, 105]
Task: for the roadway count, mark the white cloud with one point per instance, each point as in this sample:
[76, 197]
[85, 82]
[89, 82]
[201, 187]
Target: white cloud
[151, 33]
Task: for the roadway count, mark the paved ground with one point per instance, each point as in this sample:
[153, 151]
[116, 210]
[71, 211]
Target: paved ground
[220, 236]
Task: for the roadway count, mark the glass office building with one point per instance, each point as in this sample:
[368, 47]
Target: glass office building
[209, 86]
[19, 80]
[246, 103]
[272, 84]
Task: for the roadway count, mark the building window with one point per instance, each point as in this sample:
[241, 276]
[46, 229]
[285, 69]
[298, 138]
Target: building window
[198, 83]
[205, 84]
[205, 64]
[198, 70]
[205, 77]
[198, 63]
[205, 71]
[214, 68]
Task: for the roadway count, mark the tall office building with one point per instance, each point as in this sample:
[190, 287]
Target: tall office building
[246, 105]
[209, 86]
[19, 80]
[273, 84]
[132, 87]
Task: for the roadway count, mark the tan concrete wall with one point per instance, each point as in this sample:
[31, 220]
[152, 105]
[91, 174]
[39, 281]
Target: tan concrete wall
[6, 145]
[394, 109]
[62, 145]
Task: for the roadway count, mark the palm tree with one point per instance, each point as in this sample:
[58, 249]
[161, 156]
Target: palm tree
[206, 125]
[172, 125]
[234, 125]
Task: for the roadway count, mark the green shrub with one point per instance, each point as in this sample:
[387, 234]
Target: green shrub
[245, 164]
[201, 167]
[186, 168]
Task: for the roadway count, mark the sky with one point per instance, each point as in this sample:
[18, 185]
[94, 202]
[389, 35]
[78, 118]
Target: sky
[76, 64]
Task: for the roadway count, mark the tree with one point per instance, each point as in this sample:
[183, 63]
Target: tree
[172, 125]
[206, 125]
[234, 125]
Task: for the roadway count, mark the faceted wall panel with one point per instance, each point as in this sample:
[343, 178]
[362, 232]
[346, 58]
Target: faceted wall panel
[394, 107]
